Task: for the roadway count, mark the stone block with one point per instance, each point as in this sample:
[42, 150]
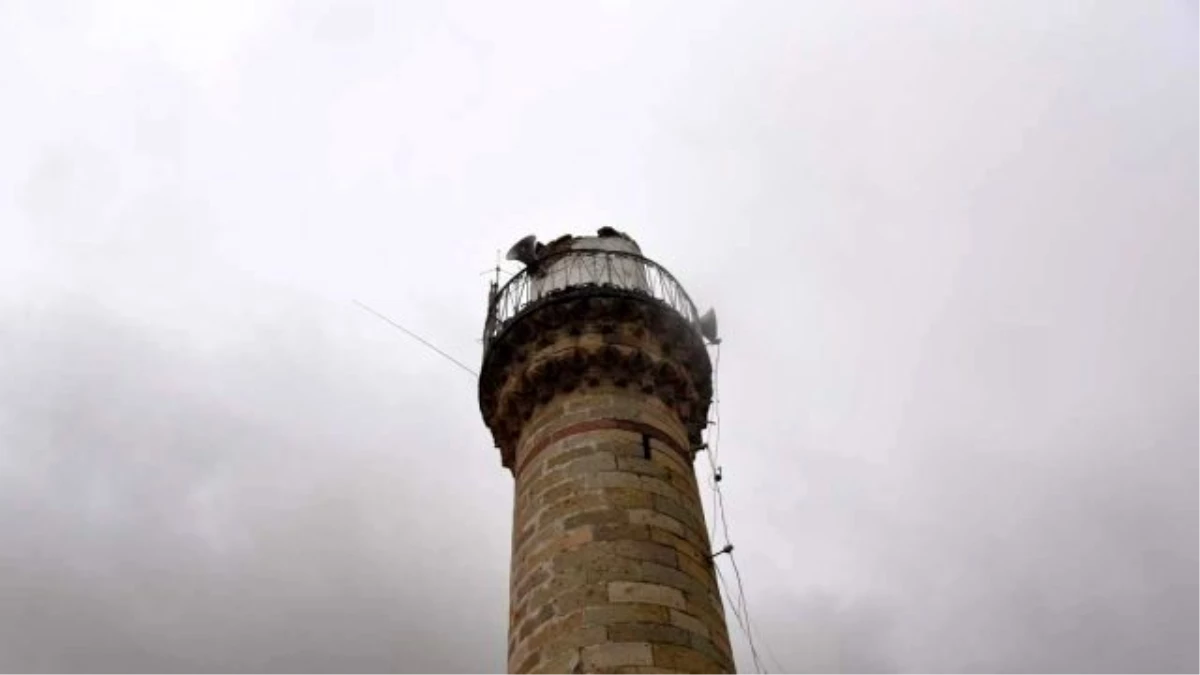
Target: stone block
[688, 515]
[614, 531]
[565, 541]
[539, 616]
[685, 659]
[720, 637]
[529, 538]
[685, 483]
[669, 576]
[626, 446]
[656, 519]
[593, 462]
[579, 638]
[627, 498]
[671, 456]
[645, 670]
[710, 649]
[660, 486]
[682, 546]
[582, 401]
[604, 615]
[646, 593]
[539, 538]
[585, 595]
[605, 517]
[556, 493]
[616, 654]
[542, 483]
[552, 459]
[562, 661]
[573, 505]
[531, 580]
[641, 465]
[528, 663]
[702, 608]
[701, 572]
[645, 550]
[687, 622]
[597, 562]
[656, 633]
[546, 633]
[614, 479]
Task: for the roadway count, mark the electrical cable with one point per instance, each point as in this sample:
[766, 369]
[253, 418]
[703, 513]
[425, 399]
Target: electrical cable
[738, 603]
[717, 407]
[742, 623]
[420, 339]
[713, 448]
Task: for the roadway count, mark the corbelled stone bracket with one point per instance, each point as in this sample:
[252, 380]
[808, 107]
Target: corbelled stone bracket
[586, 337]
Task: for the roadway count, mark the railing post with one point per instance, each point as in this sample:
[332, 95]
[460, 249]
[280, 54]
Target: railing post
[491, 314]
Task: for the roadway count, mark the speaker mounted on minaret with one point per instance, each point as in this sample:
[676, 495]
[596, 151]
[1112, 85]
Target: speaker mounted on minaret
[707, 324]
[527, 251]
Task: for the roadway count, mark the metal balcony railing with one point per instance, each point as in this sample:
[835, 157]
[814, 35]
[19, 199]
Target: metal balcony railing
[584, 268]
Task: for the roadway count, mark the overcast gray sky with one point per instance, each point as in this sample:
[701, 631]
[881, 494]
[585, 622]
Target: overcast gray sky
[952, 245]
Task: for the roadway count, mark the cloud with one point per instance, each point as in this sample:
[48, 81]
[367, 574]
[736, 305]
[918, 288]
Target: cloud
[156, 521]
[952, 251]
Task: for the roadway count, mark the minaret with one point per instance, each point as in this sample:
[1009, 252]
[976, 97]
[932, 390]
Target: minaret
[596, 384]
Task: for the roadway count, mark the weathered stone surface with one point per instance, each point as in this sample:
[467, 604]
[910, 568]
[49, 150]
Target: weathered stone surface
[606, 517]
[604, 615]
[627, 498]
[527, 664]
[615, 479]
[710, 649]
[541, 483]
[585, 595]
[553, 460]
[669, 576]
[613, 531]
[609, 547]
[531, 581]
[589, 464]
[554, 494]
[554, 633]
[688, 516]
[564, 541]
[670, 455]
[656, 633]
[653, 594]
[560, 661]
[686, 660]
[666, 488]
[615, 654]
[642, 466]
[645, 550]
[572, 505]
[688, 538]
[701, 572]
[703, 609]
[656, 519]
[687, 622]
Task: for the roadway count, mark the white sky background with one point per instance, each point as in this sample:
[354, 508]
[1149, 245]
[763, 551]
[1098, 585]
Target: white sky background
[952, 246]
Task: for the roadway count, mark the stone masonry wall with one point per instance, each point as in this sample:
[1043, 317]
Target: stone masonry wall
[610, 568]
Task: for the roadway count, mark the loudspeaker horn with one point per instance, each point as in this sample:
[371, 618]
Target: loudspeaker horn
[525, 250]
[708, 325]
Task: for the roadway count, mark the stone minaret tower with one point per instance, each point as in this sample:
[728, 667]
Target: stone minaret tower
[596, 384]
